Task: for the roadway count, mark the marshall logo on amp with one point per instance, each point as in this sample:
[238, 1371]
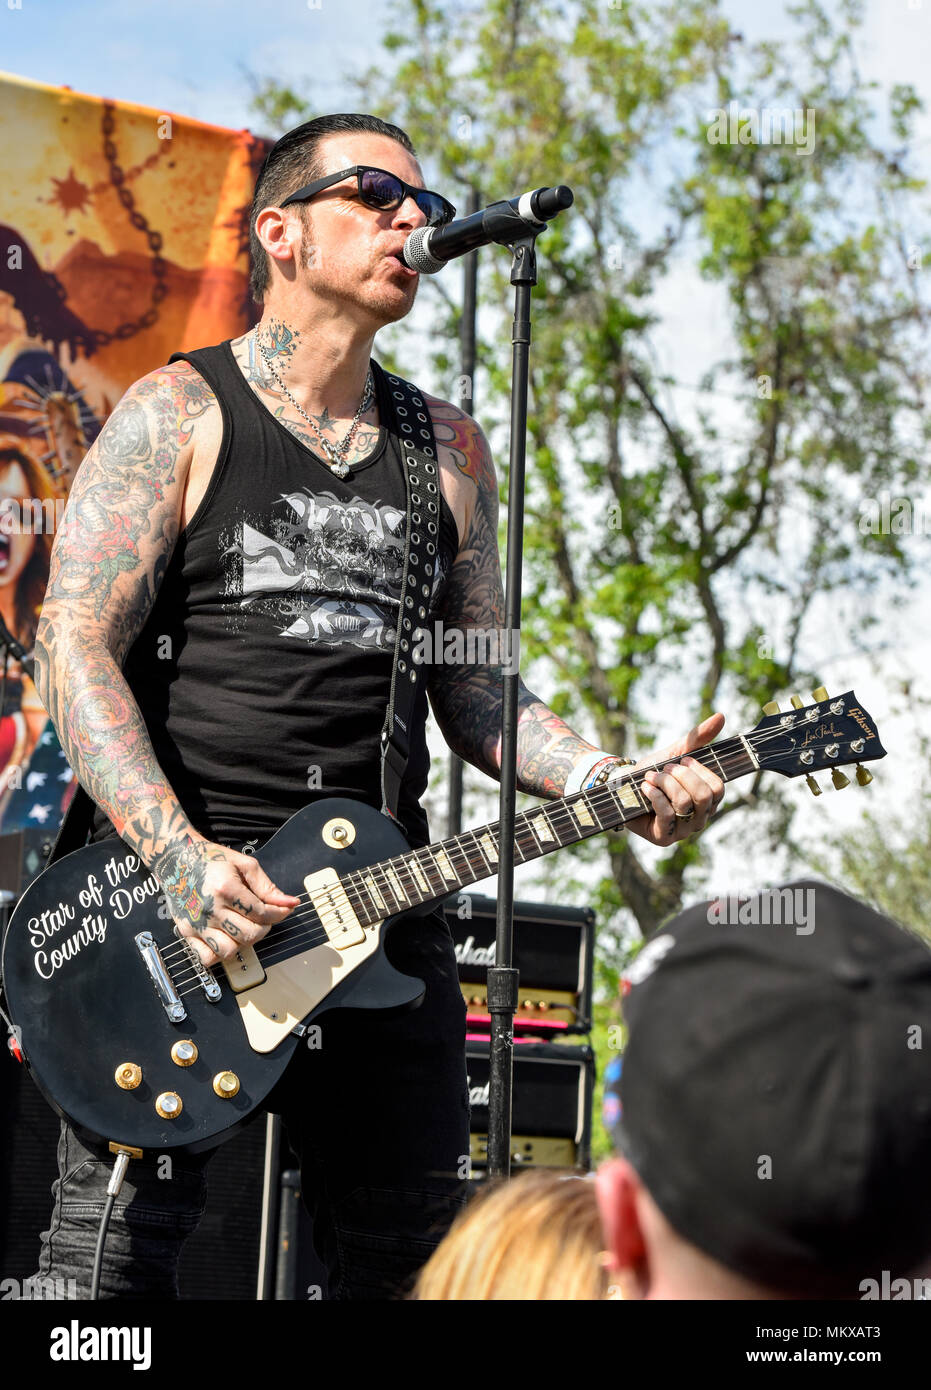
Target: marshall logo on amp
[553, 950]
[467, 953]
[552, 1103]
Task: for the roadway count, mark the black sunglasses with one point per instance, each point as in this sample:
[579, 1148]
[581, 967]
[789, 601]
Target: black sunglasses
[381, 190]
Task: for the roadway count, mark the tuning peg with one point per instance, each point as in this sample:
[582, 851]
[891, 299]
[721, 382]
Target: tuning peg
[771, 707]
[863, 776]
[819, 694]
[797, 702]
[813, 785]
[838, 778]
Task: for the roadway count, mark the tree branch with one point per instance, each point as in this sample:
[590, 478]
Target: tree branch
[682, 456]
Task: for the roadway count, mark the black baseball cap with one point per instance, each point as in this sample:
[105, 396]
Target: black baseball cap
[776, 1087]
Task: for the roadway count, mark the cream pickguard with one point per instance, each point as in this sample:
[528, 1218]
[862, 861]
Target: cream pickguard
[273, 1001]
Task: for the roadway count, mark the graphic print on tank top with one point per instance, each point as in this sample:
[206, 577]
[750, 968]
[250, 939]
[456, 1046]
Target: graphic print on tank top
[323, 570]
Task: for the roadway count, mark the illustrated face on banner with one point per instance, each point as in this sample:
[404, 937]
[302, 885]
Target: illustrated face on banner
[97, 288]
[16, 544]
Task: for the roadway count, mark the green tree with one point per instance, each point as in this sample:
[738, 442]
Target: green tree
[673, 551]
[886, 861]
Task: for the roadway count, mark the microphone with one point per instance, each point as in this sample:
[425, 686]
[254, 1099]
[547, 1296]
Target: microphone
[428, 249]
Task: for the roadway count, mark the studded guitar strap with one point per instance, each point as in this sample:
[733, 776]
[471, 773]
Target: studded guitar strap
[413, 429]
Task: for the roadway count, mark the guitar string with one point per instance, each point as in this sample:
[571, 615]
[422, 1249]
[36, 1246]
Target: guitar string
[561, 816]
[606, 799]
[296, 936]
[601, 798]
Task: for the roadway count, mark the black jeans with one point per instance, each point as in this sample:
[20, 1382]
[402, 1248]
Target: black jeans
[378, 1114]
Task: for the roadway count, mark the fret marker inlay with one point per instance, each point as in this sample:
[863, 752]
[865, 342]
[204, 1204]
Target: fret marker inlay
[395, 883]
[377, 898]
[446, 869]
[627, 795]
[419, 879]
[528, 822]
[488, 845]
[541, 827]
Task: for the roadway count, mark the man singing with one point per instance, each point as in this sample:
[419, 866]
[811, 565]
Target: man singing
[215, 650]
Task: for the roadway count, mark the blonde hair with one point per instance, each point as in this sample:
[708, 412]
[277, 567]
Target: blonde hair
[537, 1236]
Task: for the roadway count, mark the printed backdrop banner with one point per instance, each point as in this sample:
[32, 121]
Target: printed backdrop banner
[124, 237]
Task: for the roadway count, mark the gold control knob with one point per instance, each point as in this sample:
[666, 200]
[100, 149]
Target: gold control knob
[226, 1084]
[184, 1053]
[127, 1076]
[169, 1105]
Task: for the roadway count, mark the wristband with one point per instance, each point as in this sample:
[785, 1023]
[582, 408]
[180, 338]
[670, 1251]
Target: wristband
[607, 772]
[581, 775]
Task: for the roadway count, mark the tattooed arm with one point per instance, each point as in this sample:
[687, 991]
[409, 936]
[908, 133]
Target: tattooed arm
[117, 536]
[466, 698]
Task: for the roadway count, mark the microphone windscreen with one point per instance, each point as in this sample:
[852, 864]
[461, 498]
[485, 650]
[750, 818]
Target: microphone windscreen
[416, 253]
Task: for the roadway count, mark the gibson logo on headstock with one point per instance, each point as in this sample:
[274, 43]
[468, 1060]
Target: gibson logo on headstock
[857, 714]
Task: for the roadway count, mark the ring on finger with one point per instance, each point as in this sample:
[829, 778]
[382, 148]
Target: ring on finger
[685, 815]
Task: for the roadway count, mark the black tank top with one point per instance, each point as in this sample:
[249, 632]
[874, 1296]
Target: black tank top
[264, 668]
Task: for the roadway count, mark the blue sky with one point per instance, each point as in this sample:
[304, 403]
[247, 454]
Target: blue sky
[192, 56]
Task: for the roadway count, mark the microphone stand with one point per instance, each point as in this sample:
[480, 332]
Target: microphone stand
[466, 403]
[502, 976]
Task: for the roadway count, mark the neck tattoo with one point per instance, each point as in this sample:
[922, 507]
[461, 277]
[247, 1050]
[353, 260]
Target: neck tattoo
[336, 453]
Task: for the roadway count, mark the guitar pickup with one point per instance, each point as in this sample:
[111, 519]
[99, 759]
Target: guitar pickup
[244, 971]
[164, 987]
[334, 909]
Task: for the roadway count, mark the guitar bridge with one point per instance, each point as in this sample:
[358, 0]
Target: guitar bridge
[164, 987]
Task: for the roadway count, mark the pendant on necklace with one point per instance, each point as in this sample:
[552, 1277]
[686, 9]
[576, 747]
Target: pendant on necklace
[340, 469]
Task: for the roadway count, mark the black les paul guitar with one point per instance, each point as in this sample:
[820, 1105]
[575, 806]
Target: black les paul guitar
[136, 1043]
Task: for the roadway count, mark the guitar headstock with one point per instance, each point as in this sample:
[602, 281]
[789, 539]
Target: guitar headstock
[831, 732]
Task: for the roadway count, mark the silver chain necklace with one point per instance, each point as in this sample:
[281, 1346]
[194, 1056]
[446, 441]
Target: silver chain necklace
[337, 461]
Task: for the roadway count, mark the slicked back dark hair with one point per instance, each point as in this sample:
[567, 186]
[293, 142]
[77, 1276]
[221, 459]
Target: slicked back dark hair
[295, 160]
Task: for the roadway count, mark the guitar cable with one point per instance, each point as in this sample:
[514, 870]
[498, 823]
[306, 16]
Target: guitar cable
[113, 1190]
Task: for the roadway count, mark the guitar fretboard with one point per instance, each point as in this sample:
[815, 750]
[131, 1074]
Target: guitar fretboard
[427, 874]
